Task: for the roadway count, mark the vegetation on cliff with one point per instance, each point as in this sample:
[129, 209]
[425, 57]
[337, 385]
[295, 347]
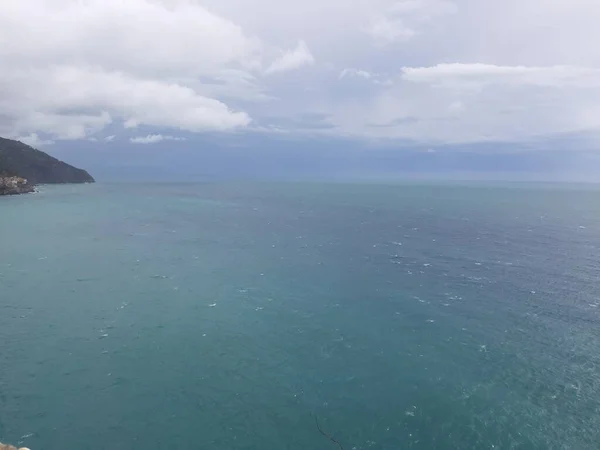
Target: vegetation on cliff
[22, 166]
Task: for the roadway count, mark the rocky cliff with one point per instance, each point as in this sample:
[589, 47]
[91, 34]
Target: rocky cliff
[21, 167]
[15, 185]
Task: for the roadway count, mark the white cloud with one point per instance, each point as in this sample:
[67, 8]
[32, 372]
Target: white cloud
[429, 70]
[59, 125]
[404, 20]
[158, 36]
[484, 74]
[86, 64]
[373, 77]
[33, 140]
[110, 138]
[385, 30]
[292, 59]
[479, 102]
[355, 73]
[116, 96]
[154, 139]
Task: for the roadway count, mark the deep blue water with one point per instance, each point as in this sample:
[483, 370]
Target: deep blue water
[225, 317]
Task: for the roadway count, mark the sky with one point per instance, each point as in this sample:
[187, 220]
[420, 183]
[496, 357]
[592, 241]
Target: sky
[329, 86]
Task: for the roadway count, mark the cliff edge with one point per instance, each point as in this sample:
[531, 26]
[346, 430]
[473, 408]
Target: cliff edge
[22, 167]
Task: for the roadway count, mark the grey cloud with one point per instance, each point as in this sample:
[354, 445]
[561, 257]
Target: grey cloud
[154, 139]
[395, 122]
[421, 70]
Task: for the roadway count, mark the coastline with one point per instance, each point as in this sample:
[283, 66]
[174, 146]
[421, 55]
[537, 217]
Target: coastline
[15, 186]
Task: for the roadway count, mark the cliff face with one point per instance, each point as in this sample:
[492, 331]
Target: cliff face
[20, 160]
[14, 185]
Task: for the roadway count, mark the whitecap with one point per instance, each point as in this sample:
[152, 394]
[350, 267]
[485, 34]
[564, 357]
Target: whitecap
[212, 305]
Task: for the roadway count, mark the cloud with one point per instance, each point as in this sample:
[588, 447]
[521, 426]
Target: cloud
[116, 96]
[33, 140]
[154, 139]
[292, 60]
[424, 70]
[87, 64]
[110, 138]
[404, 20]
[385, 30]
[485, 74]
[355, 73]
[460, 103]
[375, 78]
[65, 125]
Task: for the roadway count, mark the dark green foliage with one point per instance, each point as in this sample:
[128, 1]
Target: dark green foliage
[18, 159]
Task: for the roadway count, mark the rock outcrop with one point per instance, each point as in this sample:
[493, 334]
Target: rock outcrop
[21, 160]
[13, 186]
[10, 447]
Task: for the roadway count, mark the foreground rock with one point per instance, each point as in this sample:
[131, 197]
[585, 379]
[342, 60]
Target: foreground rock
[13, 186]
[10, 447]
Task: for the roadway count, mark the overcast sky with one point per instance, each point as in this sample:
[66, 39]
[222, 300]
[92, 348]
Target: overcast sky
[432, 72]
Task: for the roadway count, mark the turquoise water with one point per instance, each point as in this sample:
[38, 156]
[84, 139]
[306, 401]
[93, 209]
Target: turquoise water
[222, 316]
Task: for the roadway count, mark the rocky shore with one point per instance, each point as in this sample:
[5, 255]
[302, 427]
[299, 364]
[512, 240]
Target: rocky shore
[10, 447]
[13, 186]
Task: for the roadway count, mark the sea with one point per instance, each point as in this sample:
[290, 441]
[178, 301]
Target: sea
[301, 316]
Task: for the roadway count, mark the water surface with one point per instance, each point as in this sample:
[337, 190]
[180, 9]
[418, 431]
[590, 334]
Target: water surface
[224, 316]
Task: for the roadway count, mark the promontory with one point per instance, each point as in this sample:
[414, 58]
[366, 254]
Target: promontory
[22, 167]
